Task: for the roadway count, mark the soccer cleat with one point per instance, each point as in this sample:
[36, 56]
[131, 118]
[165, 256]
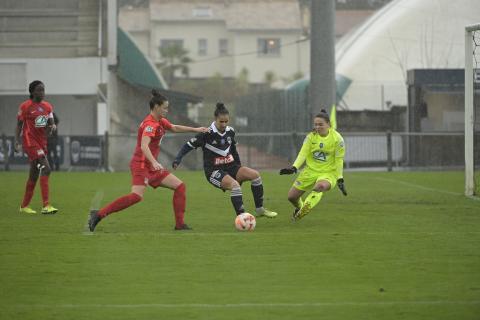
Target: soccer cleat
[262, 212]
[93, 220]
[304, 210]
[27, 210]
[295, 212]
[49, 210]
[183, 227]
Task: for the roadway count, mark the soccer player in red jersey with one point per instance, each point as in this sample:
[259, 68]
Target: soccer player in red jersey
[34, 123]
[145, 168]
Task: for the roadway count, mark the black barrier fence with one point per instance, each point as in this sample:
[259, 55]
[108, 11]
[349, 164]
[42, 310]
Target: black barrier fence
[261, 150]
[69, 152]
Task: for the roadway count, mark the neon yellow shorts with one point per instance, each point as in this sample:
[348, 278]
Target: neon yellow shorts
[308, 178]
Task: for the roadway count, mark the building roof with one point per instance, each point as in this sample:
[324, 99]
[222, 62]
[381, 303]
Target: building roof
[244, 15]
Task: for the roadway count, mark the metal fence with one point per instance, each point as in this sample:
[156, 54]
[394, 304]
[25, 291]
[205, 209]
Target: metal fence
[263, 151]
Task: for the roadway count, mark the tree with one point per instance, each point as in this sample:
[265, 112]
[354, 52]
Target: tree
[269, 78]
[241, 82]
[174, 57]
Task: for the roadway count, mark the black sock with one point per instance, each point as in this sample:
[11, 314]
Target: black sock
[257, 190]
[237, 200]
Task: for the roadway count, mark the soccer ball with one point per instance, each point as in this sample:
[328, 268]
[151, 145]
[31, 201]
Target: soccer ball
[245, 222]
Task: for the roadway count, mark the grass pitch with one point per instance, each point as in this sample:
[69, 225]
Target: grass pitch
[400, 246]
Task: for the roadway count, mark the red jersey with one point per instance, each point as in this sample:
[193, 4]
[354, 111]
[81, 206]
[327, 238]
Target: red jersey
[35, 116]
[155, 130]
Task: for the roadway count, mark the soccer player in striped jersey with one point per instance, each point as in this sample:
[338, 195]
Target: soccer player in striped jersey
[145, 168]
[222, 165]
[322, 152]
[34, 123]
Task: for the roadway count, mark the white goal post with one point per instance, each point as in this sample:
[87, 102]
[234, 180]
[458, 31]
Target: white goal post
[469, 110]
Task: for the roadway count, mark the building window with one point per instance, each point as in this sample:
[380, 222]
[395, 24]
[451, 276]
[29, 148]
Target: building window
[269, 47]
[202, 12]
[166, 43]
[202, 47]
[223, 47]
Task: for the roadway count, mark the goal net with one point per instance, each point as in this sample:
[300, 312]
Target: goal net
[472, 110]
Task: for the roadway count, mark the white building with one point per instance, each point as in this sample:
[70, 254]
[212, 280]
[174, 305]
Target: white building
[224, 36]
[405, 34]
[61, 43]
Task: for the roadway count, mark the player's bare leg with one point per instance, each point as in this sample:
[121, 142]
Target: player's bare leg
[248, 174]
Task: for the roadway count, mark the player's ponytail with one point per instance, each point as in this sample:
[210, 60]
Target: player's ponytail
[220, 109]
[324, 115]
[157, 99]
[32, 86]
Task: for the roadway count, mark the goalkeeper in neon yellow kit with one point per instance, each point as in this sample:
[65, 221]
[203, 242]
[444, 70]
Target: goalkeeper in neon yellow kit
[322, 152]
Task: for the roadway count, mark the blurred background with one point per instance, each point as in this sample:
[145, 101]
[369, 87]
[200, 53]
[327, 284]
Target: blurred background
[396, 68]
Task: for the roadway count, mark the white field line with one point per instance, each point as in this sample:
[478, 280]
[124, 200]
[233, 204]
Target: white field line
[235, 233]
[420, 187]
[251, 305]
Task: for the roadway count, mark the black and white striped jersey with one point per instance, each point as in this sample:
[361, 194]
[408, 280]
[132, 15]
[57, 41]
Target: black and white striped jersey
[219, 149]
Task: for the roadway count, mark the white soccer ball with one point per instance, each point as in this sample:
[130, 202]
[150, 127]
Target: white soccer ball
[245, 222]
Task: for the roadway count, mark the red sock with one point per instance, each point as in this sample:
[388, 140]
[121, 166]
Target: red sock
[119, 204]
[29, 188]
[179, 205]
[44, 189]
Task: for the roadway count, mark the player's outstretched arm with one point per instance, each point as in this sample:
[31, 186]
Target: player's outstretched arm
[179, 128]
[178, 159]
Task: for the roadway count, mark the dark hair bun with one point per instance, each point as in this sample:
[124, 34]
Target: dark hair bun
[156, 93]
[323, 111]
[220, 106]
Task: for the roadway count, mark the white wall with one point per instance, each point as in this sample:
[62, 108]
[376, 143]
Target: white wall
[292, 58]
[190, 32]
[67, 76]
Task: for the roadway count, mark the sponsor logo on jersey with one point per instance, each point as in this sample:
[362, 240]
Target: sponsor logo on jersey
[222, 142]
[229, 140]
[297, 183]
[149, 129]
[214, 142]
[41, 121]
[40, 109]
[223, 160]
[321, 144]
[320, 155]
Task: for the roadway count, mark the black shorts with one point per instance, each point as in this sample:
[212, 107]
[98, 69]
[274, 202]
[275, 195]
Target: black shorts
[215, 176]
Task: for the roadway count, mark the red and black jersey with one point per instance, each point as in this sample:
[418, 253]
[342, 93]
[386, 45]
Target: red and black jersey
[34, 116]
[219, 149]
[150, 128]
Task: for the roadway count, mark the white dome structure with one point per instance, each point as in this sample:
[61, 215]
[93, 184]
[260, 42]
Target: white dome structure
[405, 34]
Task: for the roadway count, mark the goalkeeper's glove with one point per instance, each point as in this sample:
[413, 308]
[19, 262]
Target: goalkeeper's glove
[341, 186]
[290, 170]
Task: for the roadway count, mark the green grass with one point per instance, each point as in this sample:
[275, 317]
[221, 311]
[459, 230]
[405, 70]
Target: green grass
[400, 246]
